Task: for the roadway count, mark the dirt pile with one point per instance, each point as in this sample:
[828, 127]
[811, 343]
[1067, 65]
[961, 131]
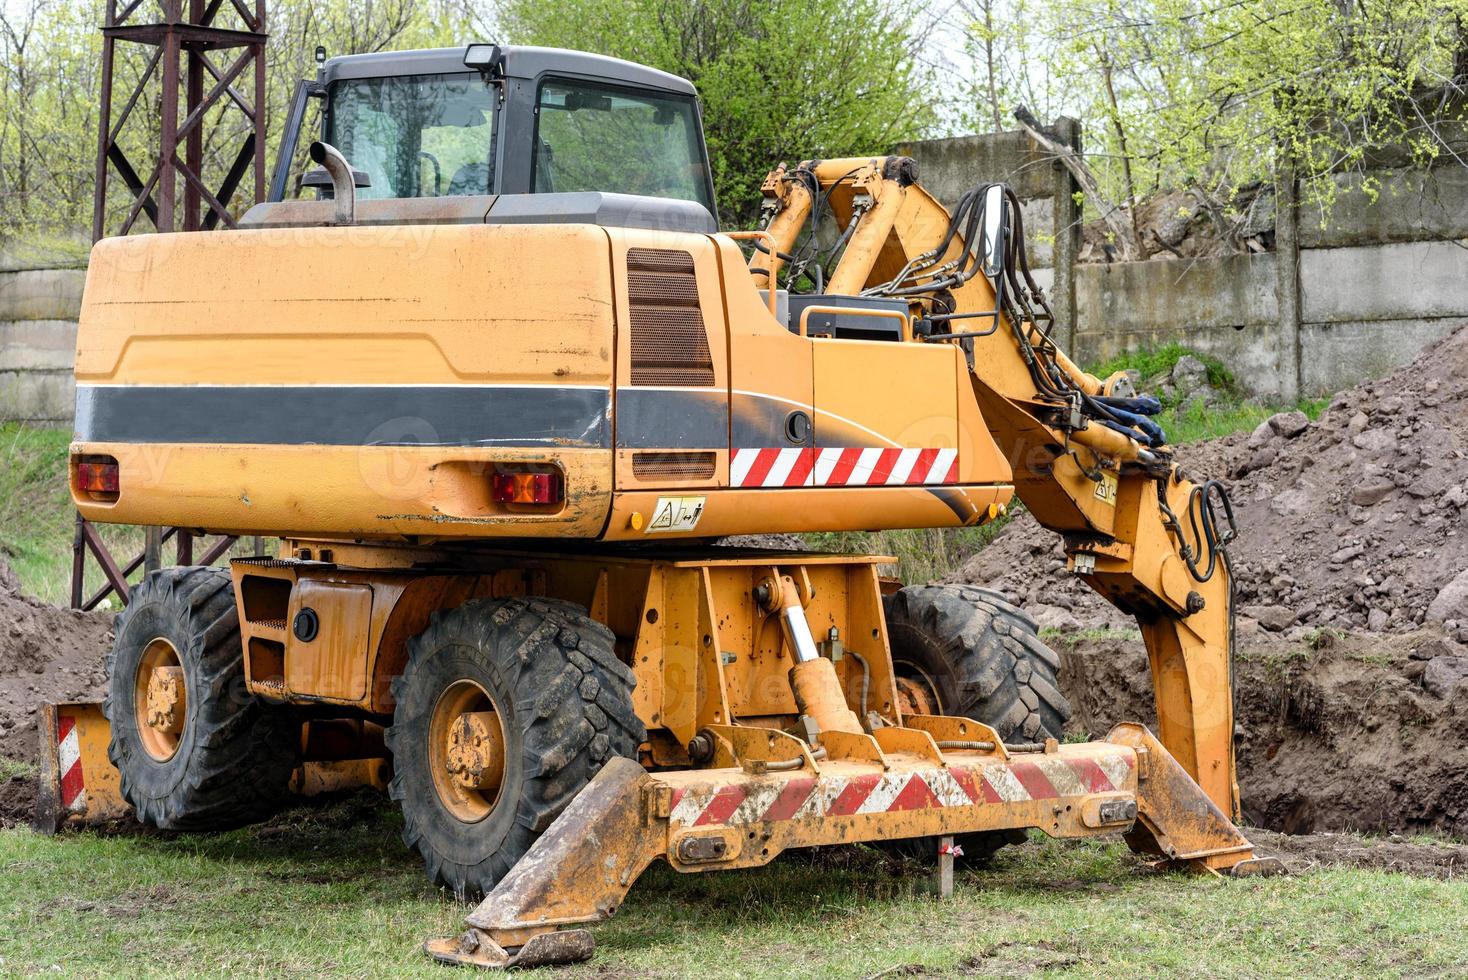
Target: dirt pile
[1358, 520]
[1343, 736]
[46, 654]
[1352, 572]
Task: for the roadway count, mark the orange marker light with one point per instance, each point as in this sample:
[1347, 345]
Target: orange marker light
[528, 488]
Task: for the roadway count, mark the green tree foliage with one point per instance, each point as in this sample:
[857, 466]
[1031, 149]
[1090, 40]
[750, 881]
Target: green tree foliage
[50, 83]
[780, 79]
[1210, 95]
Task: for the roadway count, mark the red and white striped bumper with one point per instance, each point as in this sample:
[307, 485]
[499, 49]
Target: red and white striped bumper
[842, 467]
[853, 790]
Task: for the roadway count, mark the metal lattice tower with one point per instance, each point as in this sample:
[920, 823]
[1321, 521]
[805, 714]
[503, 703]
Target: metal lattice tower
[197, 51]
[201, 52]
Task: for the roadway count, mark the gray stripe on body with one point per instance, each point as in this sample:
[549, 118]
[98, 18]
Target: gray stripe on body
[519, 416]
[662, 418]
[759, 422]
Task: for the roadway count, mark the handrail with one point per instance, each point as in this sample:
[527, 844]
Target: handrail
[904, 324]
[739, 236]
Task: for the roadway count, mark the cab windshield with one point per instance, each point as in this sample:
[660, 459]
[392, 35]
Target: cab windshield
[415, 135]
[593, 137]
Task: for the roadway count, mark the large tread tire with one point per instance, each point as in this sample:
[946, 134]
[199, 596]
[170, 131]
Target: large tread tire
[983, 655]
[983, 658]
[235, 753]
[566, 709]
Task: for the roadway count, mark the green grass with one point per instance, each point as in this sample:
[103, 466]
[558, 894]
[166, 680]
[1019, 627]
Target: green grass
[37, 522]
[1154, 361]
[1195, 422]
[12, 768]
[922, 555]
[332, 892]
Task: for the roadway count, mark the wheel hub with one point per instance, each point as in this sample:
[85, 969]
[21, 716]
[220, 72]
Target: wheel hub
[915, 696]
[160, 700]
[475, 757]
[166, 700]
[466, 751]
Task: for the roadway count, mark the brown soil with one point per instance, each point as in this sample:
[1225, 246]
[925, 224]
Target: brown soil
[1357, 522]
[1306, 852]
[1336, 738]
[46, 654]
[17, 800]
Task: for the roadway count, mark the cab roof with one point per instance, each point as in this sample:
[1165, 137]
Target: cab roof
[519, 62]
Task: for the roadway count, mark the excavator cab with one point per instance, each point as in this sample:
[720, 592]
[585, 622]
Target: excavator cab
[487, 119]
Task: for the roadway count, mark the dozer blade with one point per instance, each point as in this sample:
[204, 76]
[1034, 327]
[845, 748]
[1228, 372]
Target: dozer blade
[78, 782]
[580, 870]
[577, 872]
[79, 785]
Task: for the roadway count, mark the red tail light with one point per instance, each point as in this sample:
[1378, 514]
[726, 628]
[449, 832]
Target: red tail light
[95, 476]
[527, 488]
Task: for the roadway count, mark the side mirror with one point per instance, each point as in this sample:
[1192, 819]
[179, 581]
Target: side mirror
[998, 228]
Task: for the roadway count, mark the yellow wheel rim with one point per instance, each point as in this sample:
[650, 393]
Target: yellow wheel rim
[466, 751]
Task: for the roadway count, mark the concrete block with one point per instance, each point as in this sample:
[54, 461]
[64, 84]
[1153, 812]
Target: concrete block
[1410, 205]
[37, 396]
[949, 167]
[1398, 281]
[41, 294]
[1039, 215]
[1145, 297]
[1336, 356]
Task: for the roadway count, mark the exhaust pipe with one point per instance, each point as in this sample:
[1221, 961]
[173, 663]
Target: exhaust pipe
[343, 186]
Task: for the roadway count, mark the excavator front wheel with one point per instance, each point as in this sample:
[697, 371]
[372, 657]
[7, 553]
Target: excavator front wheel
[506, 710]
[195, 750]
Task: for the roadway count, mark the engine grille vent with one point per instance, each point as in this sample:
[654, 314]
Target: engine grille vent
[669, 343]
[673, 466]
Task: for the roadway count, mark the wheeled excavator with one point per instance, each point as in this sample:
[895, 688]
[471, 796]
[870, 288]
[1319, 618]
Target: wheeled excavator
[498, 384]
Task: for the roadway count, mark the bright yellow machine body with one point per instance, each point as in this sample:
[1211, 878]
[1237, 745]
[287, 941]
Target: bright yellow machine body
[362, 382]
[354, 390]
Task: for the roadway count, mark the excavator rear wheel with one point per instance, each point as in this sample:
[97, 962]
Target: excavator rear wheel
[506, 710]
[195, 750]
[965, 650]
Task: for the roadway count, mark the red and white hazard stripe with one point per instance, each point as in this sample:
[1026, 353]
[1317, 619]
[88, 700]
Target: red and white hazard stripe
[69, 764]
[805, 796]
[842, 467]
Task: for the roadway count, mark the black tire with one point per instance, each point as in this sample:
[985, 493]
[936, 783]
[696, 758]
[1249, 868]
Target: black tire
[235, 753]
[979, 656]
[565, 706]
[982, 657]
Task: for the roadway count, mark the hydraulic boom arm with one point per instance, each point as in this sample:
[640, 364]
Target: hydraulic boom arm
[1087, 460]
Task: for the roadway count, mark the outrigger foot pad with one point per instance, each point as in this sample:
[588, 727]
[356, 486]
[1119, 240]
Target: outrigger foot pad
[1259, 867]
[475, 948]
